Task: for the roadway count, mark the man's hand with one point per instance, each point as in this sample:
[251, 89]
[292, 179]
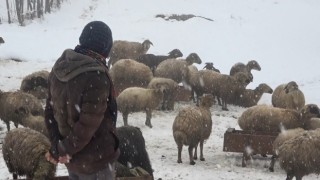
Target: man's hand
[64, 159]
[50, 158]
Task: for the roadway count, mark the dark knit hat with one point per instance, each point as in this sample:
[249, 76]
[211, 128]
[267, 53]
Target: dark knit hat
[96, 36]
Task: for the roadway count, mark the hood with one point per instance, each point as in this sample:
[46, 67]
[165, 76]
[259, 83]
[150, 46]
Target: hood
[71, 64]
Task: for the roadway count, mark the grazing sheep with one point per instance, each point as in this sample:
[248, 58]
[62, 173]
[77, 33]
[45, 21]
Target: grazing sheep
[127, 50]
[176, 69]
[169, 94]
[1, 40]
[36, 84]
[133, 148]
[192, 126]
[152, 61]
[267, 118]
[288, 96]
[135, 99]
[24, 151]
[130, 73]
[240, 67]
[251, 97]
[16, 105]
[281, 138]
[209, 66]
[299, 156]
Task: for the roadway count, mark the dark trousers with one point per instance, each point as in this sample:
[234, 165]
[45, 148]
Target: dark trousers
[107, 173]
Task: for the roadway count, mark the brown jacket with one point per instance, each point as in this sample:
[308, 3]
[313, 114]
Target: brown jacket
[76, 113]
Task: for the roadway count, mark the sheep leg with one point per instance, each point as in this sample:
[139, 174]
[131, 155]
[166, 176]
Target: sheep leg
[290, 176]
[192, 96]
[125, 119]
[148, 119]
[8, 126]
[179, 153]
[15, 124]
[14, 176]
[201, 151]
[273, 161]
[195, 155]
[190, 155]
[224, 105]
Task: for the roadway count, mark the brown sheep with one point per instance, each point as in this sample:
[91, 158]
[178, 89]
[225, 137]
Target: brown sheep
[127, 50]
[240, 67]
[192, 126]
[36, 84]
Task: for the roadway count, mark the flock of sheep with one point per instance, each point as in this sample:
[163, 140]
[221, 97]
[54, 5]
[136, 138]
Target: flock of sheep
[148, 82]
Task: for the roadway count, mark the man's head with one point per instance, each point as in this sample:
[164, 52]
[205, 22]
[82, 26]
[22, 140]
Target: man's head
[97, 36]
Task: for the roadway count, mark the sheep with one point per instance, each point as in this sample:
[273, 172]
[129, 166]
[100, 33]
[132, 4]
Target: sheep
[193, 81]
[268, 118]
[288, 96]
[130, 73]
[127, 50]
[169, 94]
[251, 97]
[36, 84]
[133, 148]
[24, 151]
[240, 67]
[1, 40]
[36, 123]
[281, 138]
[152, 61]
[209, 66]
[192, 126]
[299, 156]
[15, 105]
[176, 69]
[135, 99]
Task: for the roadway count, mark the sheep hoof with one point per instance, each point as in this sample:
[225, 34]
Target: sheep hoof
[264, 155]
[149, 125]
[225, 109]
[195, 157]
[202, 159]
[271, 169]
[192, 163]
[179, 161]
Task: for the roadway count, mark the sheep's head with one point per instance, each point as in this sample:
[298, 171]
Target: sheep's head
[207, 100]
[253, 65]
[291, 86]
[193, 58]
[309, 111]
[146, 45]
[263, 87]
[209, 66]
[175, 53]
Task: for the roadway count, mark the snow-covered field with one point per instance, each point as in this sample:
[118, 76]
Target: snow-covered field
[283, 36]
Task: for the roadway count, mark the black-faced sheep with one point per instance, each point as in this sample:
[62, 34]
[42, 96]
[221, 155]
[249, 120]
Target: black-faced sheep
[127, 50]
[251, 97]
[152, 61]
[245, 68]
[192, 126]
[24, 151]
[209, 66]
[16, 105]
[136, 99]
[288, 96]
[299, 156]
[130, 73]
[36, 84]
[169, 94]
[176, 69]
[267, 118]
[133, 148]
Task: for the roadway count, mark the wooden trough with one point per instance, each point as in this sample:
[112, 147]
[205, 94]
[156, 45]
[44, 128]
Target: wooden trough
[248, 143]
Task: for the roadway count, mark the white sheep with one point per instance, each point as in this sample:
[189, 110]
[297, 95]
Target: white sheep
[169, 94]
[267, 118]
[300, 155]
[192, 126]
[176, 69]
[245, 68]
[36, 84]
[251, 97]
[288, 96]
[130, 73]
[127, 50]
[136, 99]
[24, 151]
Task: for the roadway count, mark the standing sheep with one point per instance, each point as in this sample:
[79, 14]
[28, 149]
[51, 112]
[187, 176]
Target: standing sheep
[176, 69]
[299, 156]
[152, 61]
[209, 66]
[133, 148]
[267, 118]
[240, 67]
[36, 84]
[130, 73]
[250, 97]
[192, 126]
[135, 99]
[127, 50]
[24, 152]
[16, 105]
[169, 94]
[288, 96]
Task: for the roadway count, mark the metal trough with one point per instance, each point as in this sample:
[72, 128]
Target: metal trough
[248, 143]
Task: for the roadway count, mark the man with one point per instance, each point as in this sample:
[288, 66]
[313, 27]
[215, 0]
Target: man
[81, 110]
